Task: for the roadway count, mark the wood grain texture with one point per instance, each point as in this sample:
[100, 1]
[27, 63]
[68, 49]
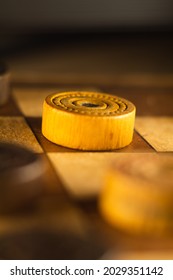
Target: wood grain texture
[30, 100]
[83, 174]
[137, 145]
[157, 131]
[88, 120]
[15, 130]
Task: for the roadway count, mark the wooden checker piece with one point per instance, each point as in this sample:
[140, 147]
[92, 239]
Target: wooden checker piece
[88, 120]
[138, 194]
[21, 173]
[4, 84]
[151, 100]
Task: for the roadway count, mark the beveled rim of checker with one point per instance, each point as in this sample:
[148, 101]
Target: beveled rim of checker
[90, 103]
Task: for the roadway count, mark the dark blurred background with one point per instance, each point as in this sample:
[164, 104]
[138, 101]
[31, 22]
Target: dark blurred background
[56, 17]
[118, 37]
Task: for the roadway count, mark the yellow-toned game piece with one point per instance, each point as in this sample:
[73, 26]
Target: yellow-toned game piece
[138, 194]
[88, 120]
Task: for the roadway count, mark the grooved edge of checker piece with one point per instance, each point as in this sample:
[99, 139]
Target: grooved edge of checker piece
[4, 84]
[88, 120]
[22, 177]
[138, 194]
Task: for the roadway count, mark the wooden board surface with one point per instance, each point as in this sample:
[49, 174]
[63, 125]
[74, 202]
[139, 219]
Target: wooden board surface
[15, 130]
[74, 178]
[77, 175]
[157, 131]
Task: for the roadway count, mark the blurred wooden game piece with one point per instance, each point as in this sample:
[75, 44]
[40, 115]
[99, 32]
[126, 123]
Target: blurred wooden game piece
[21, 174]
[4, 84]
[138, 194]
[88, 120]
[148, 254]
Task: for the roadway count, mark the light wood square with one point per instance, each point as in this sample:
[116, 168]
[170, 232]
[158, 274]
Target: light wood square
[157, 131]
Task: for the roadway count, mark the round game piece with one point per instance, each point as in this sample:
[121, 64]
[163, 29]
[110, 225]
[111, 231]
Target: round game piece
[88, 120]
[4, 84]
[21, 174]
[138, 194]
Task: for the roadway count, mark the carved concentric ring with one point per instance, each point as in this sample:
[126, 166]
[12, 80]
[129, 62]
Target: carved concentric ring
[91, 103]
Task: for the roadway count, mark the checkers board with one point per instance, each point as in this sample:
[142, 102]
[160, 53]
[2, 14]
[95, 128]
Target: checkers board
[67, 210]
